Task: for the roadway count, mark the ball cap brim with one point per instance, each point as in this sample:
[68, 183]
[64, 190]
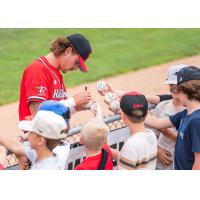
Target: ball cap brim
[83, 67]
[46, 124]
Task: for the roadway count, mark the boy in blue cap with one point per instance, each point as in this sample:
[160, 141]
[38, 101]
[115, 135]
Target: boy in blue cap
[45, 132]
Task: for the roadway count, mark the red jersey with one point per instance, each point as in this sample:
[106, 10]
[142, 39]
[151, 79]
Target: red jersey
[92, 163]
[40, 82]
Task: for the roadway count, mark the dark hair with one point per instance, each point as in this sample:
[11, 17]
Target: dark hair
[191, 89]
[51, 144]
[60, 44]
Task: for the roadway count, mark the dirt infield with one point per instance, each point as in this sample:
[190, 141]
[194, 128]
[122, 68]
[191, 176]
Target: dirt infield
[147, 80]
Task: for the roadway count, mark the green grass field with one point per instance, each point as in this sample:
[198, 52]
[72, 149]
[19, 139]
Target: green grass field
[115, 51]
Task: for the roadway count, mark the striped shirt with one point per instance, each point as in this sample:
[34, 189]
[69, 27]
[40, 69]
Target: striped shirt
[139, 152]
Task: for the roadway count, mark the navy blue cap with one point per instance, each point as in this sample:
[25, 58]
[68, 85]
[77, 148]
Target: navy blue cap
[187, 74]
[57, 108]
[82, 46]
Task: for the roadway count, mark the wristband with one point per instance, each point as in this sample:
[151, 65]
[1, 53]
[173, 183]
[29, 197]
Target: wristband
[164, 97]
[68, 102]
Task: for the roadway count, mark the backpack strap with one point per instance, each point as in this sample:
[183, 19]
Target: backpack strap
[104, 160]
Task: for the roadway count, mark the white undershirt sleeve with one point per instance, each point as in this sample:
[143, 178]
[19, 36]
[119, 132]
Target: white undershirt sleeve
[70, 102]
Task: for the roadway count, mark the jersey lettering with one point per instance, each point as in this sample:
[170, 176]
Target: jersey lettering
[59, 93]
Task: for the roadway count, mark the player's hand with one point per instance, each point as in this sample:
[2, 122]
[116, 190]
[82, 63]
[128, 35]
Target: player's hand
[164, 156]
[97, 111]
[82, 98]
[109, 89]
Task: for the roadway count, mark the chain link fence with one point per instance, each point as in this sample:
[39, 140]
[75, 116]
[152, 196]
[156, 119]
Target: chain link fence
[114, 122]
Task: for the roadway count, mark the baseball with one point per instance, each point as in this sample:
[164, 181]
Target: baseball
[87, 105]
[101, 86]
[114, 106]
[110, 97]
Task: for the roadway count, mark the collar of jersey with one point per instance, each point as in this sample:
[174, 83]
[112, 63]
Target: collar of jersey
[49, 65]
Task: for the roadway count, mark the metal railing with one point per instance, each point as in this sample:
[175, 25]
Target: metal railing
[114, 122]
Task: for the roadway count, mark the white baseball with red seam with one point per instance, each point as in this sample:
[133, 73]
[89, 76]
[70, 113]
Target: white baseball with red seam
[87, 105]
[101, 86]
[114, 106]
[109, 97]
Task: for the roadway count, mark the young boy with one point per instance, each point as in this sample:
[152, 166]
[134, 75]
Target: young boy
[46, 131]
[167, 137]
[186, 122]
[94, 136]
[140, 149]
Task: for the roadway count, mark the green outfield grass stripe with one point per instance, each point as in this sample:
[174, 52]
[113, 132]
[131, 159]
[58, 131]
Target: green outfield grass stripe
[115, 51]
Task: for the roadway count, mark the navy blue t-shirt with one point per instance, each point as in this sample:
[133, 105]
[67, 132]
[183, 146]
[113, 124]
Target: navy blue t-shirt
[188, 138]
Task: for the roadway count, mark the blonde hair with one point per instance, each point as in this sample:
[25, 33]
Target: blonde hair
[94, 134]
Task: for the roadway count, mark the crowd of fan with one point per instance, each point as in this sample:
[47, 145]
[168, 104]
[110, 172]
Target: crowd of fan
[166, 137]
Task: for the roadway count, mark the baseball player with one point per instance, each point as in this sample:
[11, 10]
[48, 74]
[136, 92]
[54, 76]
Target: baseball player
[42, 79]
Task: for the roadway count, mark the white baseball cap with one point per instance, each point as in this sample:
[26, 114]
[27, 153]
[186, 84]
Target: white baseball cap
[46, 124]
[172, 77]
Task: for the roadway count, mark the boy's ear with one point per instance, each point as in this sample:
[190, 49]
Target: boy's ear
[42, 141]
[81, 141]
[124, 118]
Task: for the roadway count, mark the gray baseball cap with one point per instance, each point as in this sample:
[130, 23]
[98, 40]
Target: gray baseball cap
[172, 77]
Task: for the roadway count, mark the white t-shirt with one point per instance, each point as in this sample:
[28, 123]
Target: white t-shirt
[56, 162]
[163, 110]
[139, 152]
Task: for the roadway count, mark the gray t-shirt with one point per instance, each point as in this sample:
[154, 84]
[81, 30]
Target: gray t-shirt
[163, 110]
[56, 162]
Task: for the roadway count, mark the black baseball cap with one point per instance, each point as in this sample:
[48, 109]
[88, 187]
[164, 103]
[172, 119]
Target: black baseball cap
[187, 74]
[82, 46]
[132, 101]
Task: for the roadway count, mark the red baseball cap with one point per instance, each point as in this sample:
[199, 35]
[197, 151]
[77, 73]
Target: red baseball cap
[82, 46]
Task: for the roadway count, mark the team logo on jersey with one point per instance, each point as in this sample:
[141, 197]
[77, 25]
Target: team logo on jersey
[41, 90]
[55, 82]
[59, 94]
